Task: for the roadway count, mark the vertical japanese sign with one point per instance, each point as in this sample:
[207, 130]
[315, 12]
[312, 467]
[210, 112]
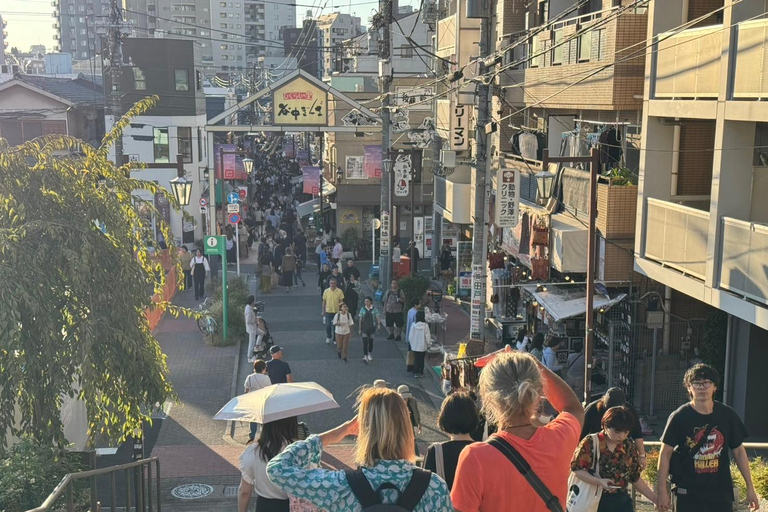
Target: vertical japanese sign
[460, 128]
[402, 169]
[311, 179]
[228, 159]
[300, 102]
[372, 161]
[288, 149]
[385, 233]
[507, 198]
[356, 168]
[478, 302]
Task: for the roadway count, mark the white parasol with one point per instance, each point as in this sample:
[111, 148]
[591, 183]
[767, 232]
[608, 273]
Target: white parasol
[278, 401]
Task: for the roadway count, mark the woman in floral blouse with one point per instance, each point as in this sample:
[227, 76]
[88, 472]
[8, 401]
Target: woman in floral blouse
[385, 452]
[619, 463]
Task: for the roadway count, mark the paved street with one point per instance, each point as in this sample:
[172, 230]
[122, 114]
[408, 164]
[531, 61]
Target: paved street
[195, 449]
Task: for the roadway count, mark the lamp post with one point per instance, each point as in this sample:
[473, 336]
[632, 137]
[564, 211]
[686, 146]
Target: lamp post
[182, 190]
[544, 182]
[248, 165]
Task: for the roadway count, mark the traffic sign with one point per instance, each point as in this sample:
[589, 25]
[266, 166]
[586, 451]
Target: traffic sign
[233, 208]
[242, 193]
[203, 209]
[233, 197]
[214, 245]
[203, 202]
[234, 218]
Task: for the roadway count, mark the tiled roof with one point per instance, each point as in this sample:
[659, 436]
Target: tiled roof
[79, 90]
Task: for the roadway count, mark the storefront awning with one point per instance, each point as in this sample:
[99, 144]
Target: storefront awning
[566, 301]
[569, 244]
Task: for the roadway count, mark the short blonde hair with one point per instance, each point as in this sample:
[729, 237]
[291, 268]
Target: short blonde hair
[510, 387]
[385, 428]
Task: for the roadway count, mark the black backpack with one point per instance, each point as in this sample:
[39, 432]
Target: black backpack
[367, 322]
[371, 500]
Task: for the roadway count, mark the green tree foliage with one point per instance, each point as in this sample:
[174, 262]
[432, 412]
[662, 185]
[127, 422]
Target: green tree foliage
[413, 287]
[76, 275]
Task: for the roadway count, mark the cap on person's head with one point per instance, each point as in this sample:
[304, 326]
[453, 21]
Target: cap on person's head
[380, 383]
[404, 391]
[275, 349]
[614, 397]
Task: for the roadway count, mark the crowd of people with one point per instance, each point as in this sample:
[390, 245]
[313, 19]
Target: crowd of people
[504, 453]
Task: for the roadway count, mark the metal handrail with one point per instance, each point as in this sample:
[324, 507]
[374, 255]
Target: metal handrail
[748, 446]
[69, 479]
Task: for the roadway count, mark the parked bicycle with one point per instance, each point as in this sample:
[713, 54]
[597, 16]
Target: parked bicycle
[206, 322]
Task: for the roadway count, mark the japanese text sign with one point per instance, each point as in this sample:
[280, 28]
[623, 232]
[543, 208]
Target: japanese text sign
[311, 179]
[507, 198]
[372, 161]
[300, 102]
[460, 128]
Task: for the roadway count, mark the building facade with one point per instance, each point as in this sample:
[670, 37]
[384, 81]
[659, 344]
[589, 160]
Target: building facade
[335, 28]
[75, 26]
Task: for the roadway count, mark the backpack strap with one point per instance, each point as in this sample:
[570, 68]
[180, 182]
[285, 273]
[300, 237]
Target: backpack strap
[517, 460]
[362, 489]
[415, 490]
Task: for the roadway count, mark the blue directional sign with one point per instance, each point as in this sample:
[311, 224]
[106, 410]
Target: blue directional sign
[233, 198]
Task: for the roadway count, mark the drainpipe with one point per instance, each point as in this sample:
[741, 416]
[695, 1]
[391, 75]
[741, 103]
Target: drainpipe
[672, 192]
[728, 349]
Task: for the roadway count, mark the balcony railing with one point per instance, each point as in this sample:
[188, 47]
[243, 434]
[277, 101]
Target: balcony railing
[750, 74]
[688, 63]
[676, 236]
[744, 259]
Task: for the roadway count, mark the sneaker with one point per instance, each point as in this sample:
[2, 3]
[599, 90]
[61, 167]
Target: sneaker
[327, 341]
[251, 359]
[334, 342]
[418, 375]
[345, 360]
[365, 359]
[398, 338]
[370, 358]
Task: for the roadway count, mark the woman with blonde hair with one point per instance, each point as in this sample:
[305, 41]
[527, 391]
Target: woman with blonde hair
[487, 476]
[385, 453]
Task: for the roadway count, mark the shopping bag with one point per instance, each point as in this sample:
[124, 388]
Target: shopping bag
[410, 359]
[584, 497]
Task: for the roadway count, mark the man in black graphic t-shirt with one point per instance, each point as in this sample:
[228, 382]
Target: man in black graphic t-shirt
[702, 481]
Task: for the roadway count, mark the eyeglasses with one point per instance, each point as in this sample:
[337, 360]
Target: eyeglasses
[702, 384]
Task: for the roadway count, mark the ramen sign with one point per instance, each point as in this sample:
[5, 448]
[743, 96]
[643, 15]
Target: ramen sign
[300, 103]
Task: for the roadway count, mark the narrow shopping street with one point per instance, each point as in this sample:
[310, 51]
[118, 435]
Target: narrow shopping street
[194, 449]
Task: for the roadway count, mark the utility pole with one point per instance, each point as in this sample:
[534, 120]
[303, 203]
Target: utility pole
[480, 175]
[385, 72]
[115, 28]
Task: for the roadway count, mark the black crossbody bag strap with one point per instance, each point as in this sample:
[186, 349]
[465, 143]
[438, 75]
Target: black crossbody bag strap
[517, 460]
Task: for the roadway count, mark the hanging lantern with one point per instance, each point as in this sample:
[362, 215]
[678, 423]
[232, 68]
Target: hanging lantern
[182, 190]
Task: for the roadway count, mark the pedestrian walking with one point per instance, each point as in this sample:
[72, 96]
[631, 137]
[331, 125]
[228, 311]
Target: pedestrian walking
[200, 268]
[394, 301]
[343, 322]
[337, 252]
[537, 346]
[695, 451]
[230, 245]
[413, 412]
[278, 370]
[255, 334]
[242, 240]
[415, 308]
[549, 356]
[265, 261]
[287, 269]
[274, 437]
[458, 418]
[322, 278]
[384, 452]
[297, 274]
[351, 270]
[185, 260]
[419, 340]
[255, 381]
[593, 418]
[332, 299]
[413, 253]
[337, 275]
[351, 295]
[511, 386]
[608, 461]
[370, 322]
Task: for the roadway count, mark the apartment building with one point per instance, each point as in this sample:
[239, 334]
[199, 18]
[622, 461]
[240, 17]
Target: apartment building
[335, 28]
[185, 19]
[3, 39]
[74, 23]
[264, 22]
[170, 68]
[303, 42]
[702, 218]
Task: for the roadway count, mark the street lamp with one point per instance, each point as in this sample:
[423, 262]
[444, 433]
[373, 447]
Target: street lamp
[248, 164]
[182, 190]
[544, 182]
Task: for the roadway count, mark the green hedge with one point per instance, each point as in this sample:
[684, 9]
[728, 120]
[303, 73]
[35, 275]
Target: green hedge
[238, 292]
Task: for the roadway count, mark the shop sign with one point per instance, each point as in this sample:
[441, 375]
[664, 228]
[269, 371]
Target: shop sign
[460, 128]
[414, 98]
[385, 233]
[478, 302]
[311, 180]
[356, 168]
[300, 103]
[507, 198]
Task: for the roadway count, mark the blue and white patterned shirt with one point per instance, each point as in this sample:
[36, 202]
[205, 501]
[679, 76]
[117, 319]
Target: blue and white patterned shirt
[329, 490]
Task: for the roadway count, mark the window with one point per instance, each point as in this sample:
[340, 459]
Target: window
[222, 25]
[83, 43]
[598, 38]
[223, 47]
[82, 31]
[160, 142]
[181, 78]
[184, 136]
[222, 4]
[558, 49]
[585, 46]
[222, 15]
[537, 59]
[406, 52]
[139, 80]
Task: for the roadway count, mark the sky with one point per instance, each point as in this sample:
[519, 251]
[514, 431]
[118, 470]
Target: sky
[31, 22]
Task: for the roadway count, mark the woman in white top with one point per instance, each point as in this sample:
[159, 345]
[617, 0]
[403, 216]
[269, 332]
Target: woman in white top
[255, 381]
[274, 437]
[343, 321]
